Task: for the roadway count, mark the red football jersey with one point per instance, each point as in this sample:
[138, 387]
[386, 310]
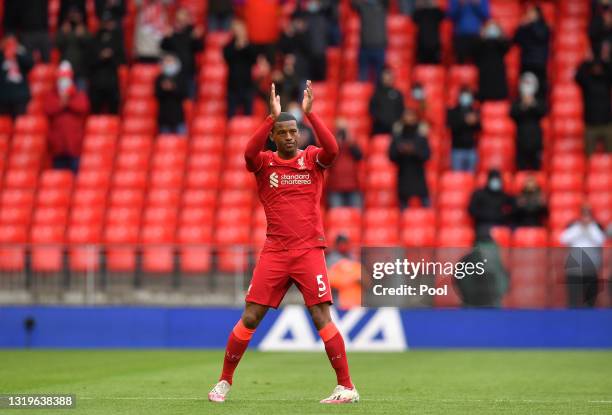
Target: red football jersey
[290, 192]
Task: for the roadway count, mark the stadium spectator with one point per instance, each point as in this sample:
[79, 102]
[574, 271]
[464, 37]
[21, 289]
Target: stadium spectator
[220, 14]
[594, 76]
[107, 54]
[468, 17]
[533, 37]
[410, 150]
[406, 7]
[262, 19]
[344, 274]
[67, 108]
[151, 25]
[240, 56]
[489, 57]
[491, 206]
[585, 238]
[288, 83]
[417, 100]
[427, 16]
[114, 8]
[527, 112]
[600, 27]
[318, 29]
[464, 123]
[373, 37]
[295, 41]
[67, 7]
[171, 91]
[488, 289]
[30, 21]
[15, 64]
[74, 43]
[343, 178]
[184, 41]
[530, 209]
[386, 104]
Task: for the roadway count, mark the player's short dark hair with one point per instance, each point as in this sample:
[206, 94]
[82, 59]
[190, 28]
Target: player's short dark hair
[284, 116]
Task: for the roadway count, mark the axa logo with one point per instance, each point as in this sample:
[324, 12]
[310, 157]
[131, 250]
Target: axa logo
[274, 179]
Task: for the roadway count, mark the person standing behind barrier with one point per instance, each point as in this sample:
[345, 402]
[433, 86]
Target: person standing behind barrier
[585, 239]
[373, 16]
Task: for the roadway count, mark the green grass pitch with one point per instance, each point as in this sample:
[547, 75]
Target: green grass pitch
[158, 382]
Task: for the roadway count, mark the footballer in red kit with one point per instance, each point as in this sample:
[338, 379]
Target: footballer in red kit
[290, 184]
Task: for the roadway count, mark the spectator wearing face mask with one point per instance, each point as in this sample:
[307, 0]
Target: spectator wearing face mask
[171, 91]
[67, 108]
[530, 209]
[464, 123]
[184, 42]
[594, 76]
[585, 238]
[427, 16]
[286, 80]
[409, 150]
[344, 274]
[386, 104]
[467, 16]
[491, 206]
[527, 112]
[107, 54]
[295, 41]
[240, 57]
[489, 57]
[343, 180]
[74, 43]
[533, 37]
[373, 36]
[15, 64]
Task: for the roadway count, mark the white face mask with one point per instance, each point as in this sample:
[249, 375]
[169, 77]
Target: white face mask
[63, 84]
[495, 184]
[171, 69]
[492, 32]
[527, 89]
[465, 99]
[418, 94]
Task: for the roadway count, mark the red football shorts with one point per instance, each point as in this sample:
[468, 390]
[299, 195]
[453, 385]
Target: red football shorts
[277, 270]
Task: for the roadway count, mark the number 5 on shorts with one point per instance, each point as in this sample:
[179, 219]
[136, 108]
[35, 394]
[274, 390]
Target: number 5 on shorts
[320, 283]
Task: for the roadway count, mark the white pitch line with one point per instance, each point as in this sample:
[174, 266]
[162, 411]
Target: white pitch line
[171, 398]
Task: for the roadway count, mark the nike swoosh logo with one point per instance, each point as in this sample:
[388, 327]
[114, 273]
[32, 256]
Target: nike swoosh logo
[322, 294]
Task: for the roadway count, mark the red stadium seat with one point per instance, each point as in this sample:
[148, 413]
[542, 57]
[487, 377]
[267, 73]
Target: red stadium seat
[33, 143]
[132, 160]
[121, 241]
[47, 250]
[127, 197]
[230, 198]
[343, 216]
[138, 125]
[102, 125]
[89, 197]
[171, 178]
[195, 251]
[458, 237]
[15, 215]
[521, 177]
[568, 162]
[96, 161]
[381, 236]
[138, 143]
[84, 248]
[31, 124]
[127, 215]
[209, 126]
[565, 200]
[161, 215]
[93, 179]
[458, 181]
[229, 216]
[158, 252]
[419, 236]
[24, 161]
[171, 159]
[457, 199]
[20, 179]
[599, 182]
[600, 163]
[163, 197]
[51, 215]
[130, 179]
[565, 181]
[87, 215]
[212, 144]
[12, 248]
[237, 179]
[530, 238]
[199, 198]
[202, 179]
[502, 236]
[54, 196]
[559, 219]
[197, 216]
[140, 107]
[449, 217]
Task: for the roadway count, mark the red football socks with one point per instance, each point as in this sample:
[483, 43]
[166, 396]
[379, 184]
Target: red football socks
[237, 344]
[334, 346]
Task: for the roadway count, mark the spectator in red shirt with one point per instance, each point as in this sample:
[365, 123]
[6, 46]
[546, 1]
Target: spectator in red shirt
[343, 179]
[67, 108]
[262, 19]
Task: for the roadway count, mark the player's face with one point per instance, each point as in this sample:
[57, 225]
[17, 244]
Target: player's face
[285, 135]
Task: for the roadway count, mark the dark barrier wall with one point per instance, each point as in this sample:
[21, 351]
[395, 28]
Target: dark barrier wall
[290, 329]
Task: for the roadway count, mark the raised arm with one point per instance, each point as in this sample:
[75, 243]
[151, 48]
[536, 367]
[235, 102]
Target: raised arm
[257, 142]
[329, 145]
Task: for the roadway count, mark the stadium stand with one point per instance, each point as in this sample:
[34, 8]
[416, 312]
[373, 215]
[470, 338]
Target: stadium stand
[176, 200]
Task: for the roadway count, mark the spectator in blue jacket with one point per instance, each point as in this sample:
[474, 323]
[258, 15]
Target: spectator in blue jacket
[468, 16]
